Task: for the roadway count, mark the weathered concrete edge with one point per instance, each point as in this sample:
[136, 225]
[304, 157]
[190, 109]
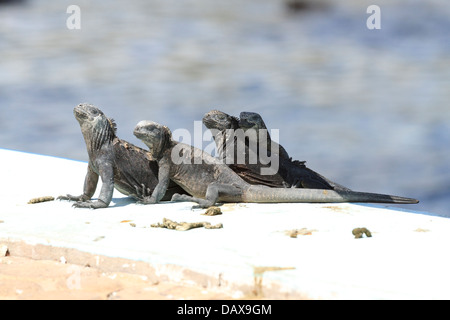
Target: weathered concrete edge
[236, 287]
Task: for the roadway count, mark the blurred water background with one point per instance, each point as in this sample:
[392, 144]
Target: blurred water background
[366, 108]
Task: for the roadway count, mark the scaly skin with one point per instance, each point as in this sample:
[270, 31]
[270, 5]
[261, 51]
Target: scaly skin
[290, 173]
[294, 173]
[223, 127]
[118, 163]
[252, 120]
[208, 180]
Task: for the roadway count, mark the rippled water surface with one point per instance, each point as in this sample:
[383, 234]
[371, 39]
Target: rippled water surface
[366, 108]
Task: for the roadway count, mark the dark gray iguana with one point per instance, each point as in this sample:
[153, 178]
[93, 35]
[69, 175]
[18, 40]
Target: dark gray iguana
[294, 173]
[212, 181]
[224, 129]
[289, 174]
[119, 163]
[252, 120]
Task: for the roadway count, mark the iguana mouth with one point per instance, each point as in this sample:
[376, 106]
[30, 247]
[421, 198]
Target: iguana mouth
[139, 131]
[79, 113]
[84, 111]
[208, 121]
[219, 120]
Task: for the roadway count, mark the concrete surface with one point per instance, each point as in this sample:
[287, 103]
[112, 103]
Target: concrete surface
[30, 279]
[254, 252]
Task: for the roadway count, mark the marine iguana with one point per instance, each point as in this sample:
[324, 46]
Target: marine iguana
[289, 174]
[294, 172]
[120, 164]
[209, 180]
[231, 145]
[252, 120]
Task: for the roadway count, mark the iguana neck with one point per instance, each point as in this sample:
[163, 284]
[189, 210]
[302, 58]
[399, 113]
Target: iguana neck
[164, 148]
[97, 138]
[223, 139]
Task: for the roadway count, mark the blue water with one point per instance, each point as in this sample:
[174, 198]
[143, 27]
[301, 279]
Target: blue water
[366, 108]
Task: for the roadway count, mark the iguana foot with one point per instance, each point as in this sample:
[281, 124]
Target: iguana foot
[286, 185]
[297, 184]
[69, 197]
[202, 203]
[142, 191]
[90, 204]
[205, 205]
[147, 200]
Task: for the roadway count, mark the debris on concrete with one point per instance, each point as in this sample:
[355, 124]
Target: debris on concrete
[212, 211]
[300, 232]
[41, 199]
[359, 232]
[183, 226]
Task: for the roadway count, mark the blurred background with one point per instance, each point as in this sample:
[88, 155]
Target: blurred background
[366, 108]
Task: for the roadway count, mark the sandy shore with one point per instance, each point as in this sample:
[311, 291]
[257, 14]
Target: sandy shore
[24, 279]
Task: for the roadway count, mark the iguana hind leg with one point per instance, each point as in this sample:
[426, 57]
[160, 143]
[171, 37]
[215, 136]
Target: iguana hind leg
[213, 192]
[184, 197]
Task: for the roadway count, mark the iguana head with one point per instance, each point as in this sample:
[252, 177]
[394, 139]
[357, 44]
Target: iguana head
[251, 120]
[95, 126]
[156, 136]
[219, 120]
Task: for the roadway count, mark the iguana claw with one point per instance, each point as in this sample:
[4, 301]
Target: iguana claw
[142, 191]
[69, 197]
[147, 200]
[90, 204]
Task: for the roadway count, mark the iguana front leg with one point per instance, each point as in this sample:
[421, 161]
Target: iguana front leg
[161, 187]
[90, 184]
[107, 175]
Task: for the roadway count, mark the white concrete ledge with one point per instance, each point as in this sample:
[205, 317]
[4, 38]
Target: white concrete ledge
[406, 257]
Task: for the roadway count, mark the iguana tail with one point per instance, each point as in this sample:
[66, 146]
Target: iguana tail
[274, 195]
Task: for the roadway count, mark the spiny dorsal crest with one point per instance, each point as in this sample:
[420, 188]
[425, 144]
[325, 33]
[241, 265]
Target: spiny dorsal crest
[113, 125]
[167, 132]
